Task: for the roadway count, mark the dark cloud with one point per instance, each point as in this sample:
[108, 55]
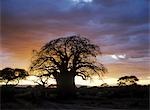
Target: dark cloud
[125, 12]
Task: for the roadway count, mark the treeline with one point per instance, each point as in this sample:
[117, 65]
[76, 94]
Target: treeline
[15, 75]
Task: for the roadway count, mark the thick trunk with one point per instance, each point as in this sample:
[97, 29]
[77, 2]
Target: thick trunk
[66, 86]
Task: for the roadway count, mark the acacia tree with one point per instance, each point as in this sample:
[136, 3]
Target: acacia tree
[42, 80]
[127, 80]
[65, 58]
[20, 74]
[104, 85]
[9, 74]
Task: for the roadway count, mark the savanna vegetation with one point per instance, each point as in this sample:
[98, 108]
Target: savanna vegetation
[8, 74]
[63, 59]
[94, 98]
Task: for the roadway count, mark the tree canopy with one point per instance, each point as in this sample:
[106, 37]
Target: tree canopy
[9, 74]
[104, 85]
[127, 80]
[67, 57]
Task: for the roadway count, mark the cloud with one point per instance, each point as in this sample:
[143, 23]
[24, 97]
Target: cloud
[124, 12]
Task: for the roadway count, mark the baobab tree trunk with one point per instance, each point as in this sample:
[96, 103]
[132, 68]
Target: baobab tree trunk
[66, 86]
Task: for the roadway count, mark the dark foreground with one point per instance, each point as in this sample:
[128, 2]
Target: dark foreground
[94, 98]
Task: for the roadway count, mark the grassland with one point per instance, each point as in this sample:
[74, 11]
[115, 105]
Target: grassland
[88, 98]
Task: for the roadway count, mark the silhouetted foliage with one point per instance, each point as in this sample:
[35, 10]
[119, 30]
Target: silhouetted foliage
[104, 85]
[9, 74]
[125, 97]
[65, 58]
[127, 80]
[42, 80]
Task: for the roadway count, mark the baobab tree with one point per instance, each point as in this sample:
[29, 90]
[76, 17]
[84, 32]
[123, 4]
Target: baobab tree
[65, 58]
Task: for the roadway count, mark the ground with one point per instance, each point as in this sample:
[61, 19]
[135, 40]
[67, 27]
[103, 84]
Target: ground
[94, 98]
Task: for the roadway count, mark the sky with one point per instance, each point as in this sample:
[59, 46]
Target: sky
[119, 27]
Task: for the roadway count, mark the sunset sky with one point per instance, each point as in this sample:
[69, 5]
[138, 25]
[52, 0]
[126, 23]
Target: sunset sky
[119, 27]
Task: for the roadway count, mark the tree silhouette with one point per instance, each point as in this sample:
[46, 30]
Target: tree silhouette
[127, 80]
[65, 58]
[104, 85]
[20, 74]
[9, 74]
[42, 80]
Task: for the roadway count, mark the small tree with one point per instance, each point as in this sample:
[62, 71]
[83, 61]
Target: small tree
[65, 58]
[20, 74]
[127, 80]
[9, 74]
[104, 85]
[42, 80]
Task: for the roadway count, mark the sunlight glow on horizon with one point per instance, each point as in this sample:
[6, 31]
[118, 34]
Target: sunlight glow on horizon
[96, 81]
